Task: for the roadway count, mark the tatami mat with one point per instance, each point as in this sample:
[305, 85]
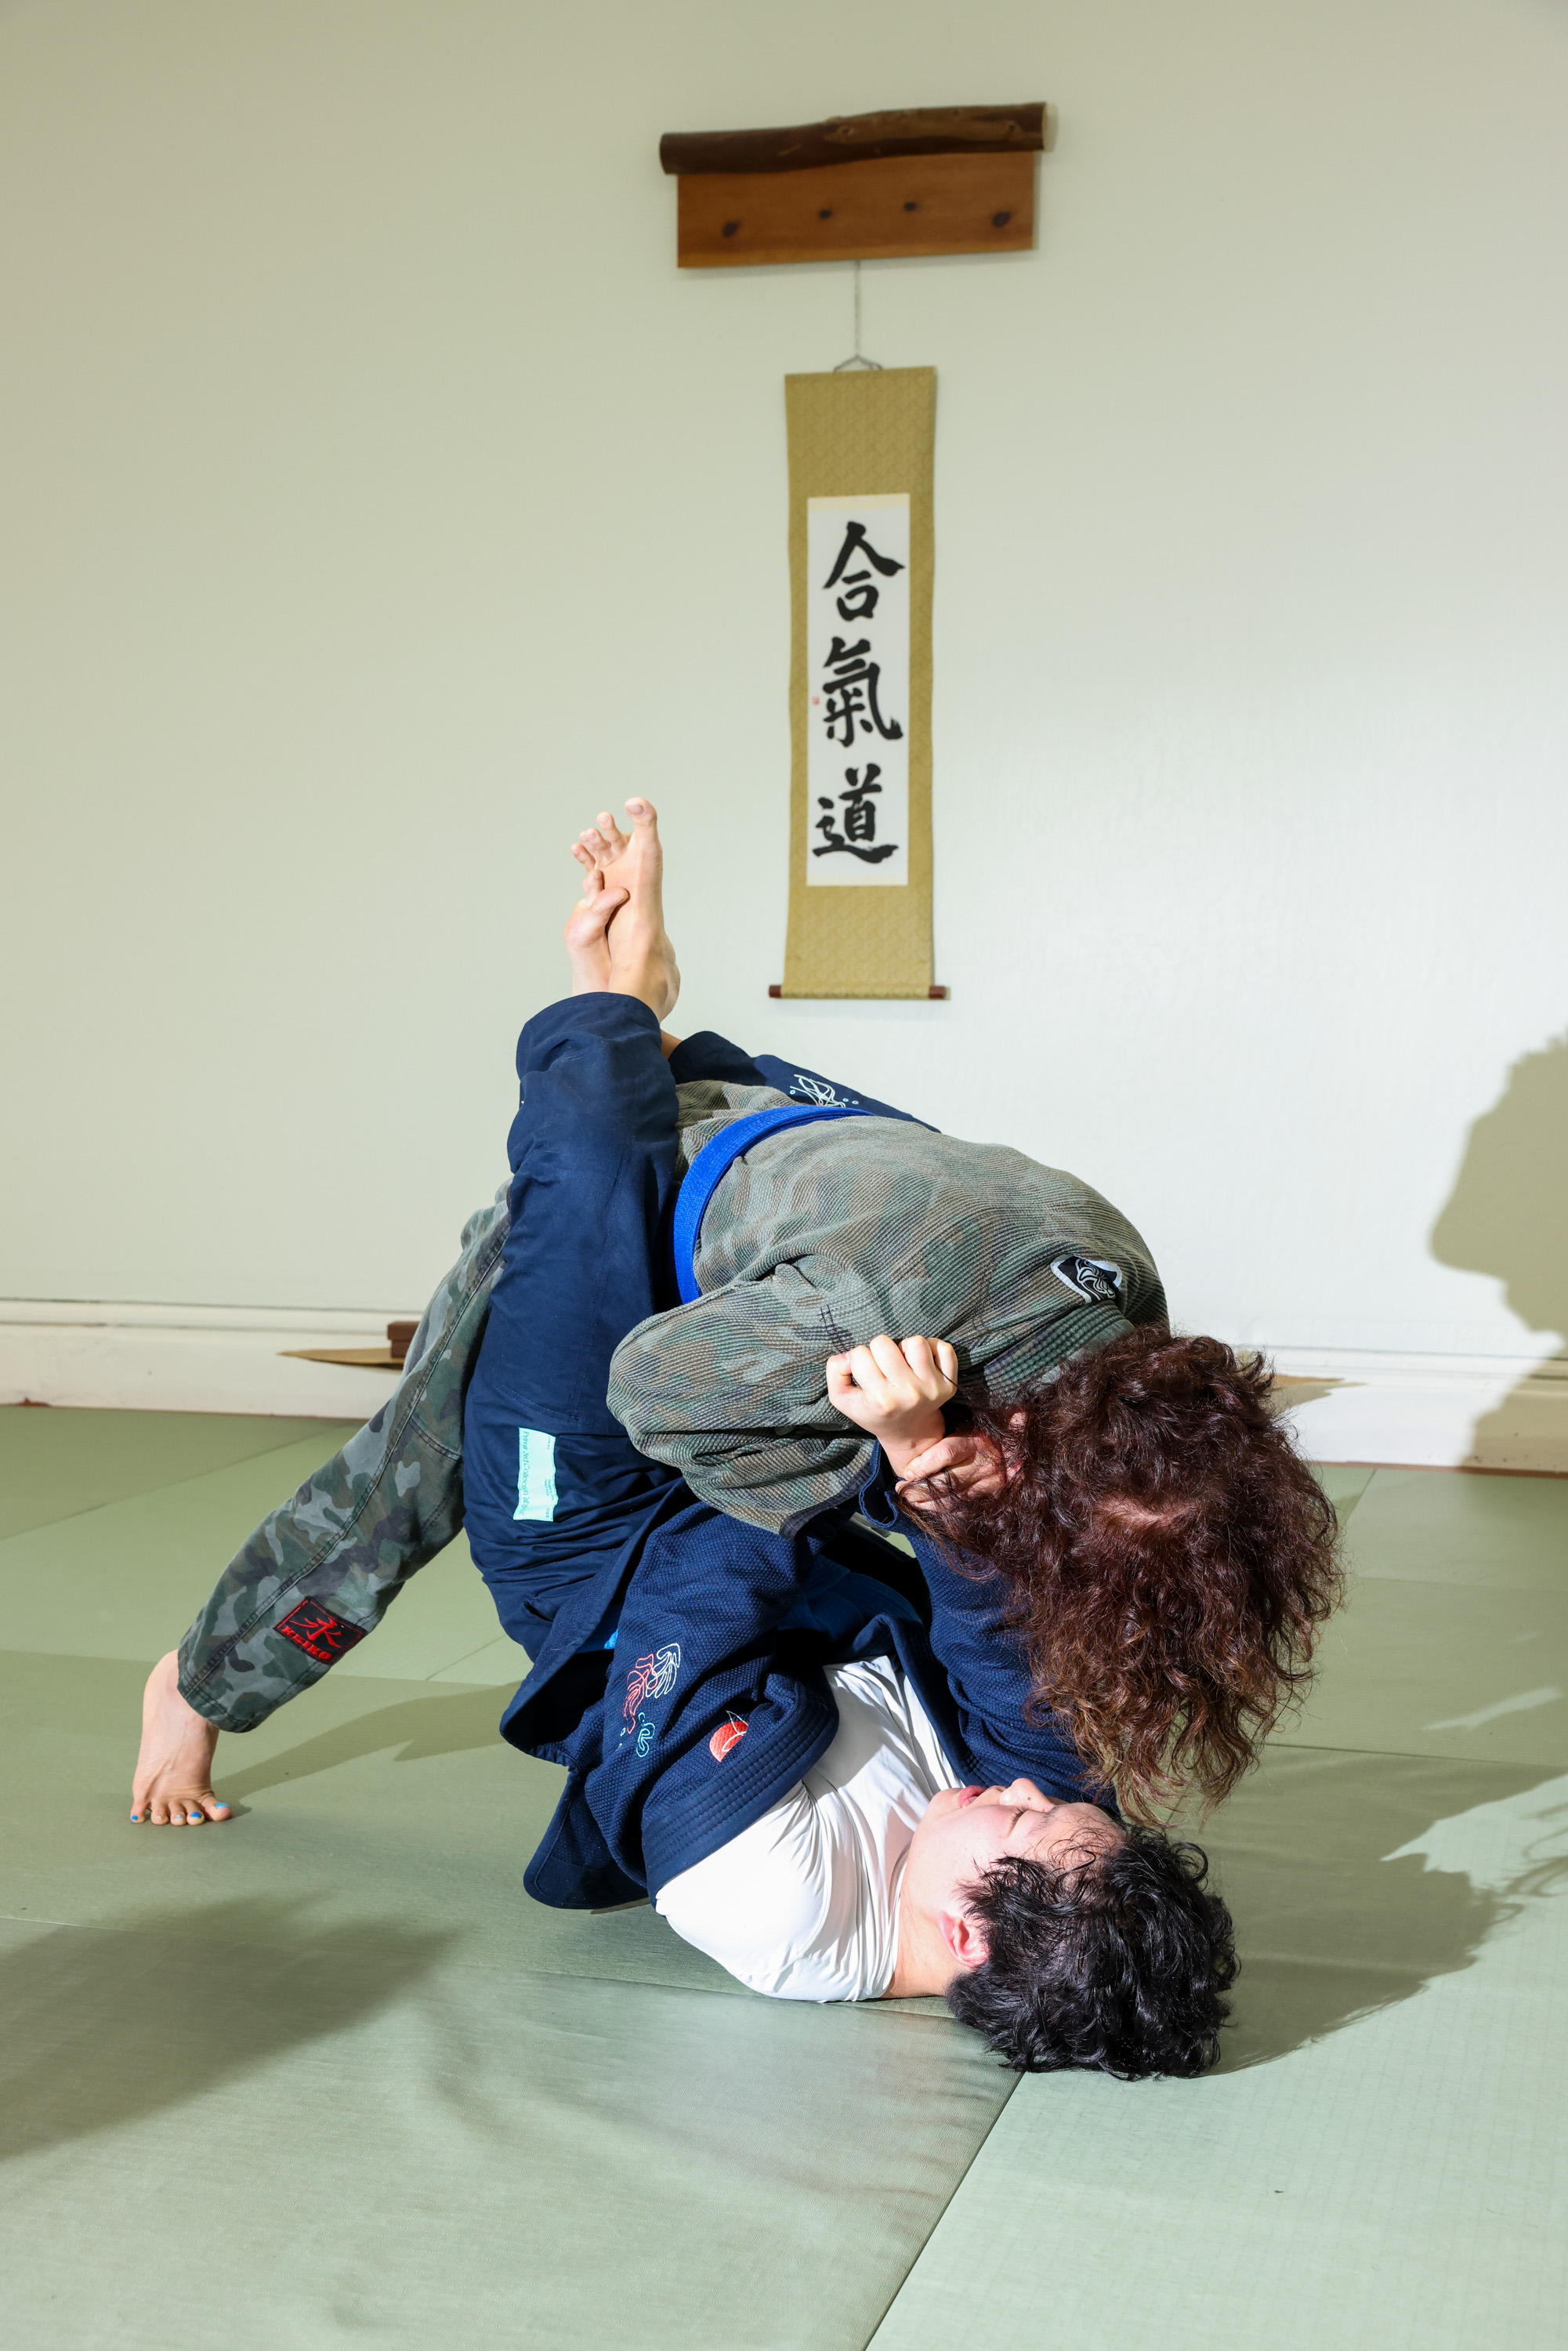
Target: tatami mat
[475, 2118]
[1433, 1526]
[1395, 2186]
[326, 2137]
[54, 1463]
[1378, 2164]
[403, 2104]
[1444, 1669]
[137, 1568]
[1454, 1640]
[362, 1797]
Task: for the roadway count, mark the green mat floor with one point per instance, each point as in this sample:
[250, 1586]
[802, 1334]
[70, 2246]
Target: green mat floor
[326, 2075]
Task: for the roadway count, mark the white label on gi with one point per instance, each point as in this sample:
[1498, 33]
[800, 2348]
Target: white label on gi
[536, 1496]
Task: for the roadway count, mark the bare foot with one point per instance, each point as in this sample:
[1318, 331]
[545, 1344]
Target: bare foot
[600, 844]
[632, 860]
[642, 958]
[587, 948]
[173, 1783]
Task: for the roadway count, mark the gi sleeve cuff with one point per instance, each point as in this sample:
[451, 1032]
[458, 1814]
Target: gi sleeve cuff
[879, 1496]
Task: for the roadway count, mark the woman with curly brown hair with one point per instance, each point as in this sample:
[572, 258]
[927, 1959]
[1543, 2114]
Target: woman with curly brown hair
[1169, 1555]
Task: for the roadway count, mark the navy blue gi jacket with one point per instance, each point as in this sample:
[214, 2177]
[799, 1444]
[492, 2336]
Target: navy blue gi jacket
[713, 1700]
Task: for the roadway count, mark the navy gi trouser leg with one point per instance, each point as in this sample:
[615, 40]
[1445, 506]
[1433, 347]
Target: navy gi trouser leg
[554, 1490]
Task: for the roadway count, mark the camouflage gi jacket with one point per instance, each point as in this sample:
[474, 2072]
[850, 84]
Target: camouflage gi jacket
[823, 1236]
[818, 1239]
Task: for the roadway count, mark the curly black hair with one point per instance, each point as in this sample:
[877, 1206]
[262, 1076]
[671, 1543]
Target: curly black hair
[1118, 1962]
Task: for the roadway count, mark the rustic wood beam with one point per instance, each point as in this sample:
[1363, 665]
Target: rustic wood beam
[899, 205]
[860, 139]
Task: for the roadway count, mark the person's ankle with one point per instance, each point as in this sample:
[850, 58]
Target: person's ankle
[647, 988]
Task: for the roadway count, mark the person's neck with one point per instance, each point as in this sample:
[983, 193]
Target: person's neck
[924, 1964]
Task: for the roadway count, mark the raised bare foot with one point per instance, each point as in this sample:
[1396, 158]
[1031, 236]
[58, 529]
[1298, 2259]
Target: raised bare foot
[632, 860]
[173, 1783]
[587, 948]
[641, 957]
[601, 844]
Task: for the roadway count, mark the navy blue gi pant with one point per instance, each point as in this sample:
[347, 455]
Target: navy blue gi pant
[554, 1489]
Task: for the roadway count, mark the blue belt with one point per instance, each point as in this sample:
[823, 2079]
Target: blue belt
[713, 1163]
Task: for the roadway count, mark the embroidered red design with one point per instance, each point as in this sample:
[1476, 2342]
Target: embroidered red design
[728, 1734]
[319, 1633]
[651, 1677]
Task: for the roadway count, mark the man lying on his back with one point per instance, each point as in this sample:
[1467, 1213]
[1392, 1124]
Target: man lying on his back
[818, 1764]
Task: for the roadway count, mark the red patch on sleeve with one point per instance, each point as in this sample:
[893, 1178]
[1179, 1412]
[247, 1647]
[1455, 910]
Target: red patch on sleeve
[728, 1734]
[319, 1633]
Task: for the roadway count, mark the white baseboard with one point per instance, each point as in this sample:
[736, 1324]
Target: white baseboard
[188, 1359]
[1428, 1411]
[1440, 1412]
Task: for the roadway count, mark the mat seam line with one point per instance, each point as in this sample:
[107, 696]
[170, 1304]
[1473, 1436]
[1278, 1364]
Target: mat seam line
[946, 2206]
[1416, 1755]
[149, 1493]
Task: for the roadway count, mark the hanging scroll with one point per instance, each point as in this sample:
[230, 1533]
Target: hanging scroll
[861, 451]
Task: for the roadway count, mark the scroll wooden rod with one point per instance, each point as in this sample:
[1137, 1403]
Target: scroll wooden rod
[860, 139]
[935, 994]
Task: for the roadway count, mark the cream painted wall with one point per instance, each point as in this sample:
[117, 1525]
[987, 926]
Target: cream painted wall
[378, 499]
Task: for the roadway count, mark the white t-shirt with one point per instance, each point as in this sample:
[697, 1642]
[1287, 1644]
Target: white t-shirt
[804, 1904]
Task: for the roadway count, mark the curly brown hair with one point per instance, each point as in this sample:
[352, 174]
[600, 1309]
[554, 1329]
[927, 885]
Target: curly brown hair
[1171, 1554]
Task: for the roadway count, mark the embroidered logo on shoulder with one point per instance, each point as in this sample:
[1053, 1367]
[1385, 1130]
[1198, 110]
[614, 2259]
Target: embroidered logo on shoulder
[818, 1091]
[1092, 1278]
[319, 1633]
[728, 1734]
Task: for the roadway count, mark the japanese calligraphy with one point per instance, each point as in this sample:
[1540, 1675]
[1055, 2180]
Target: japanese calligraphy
[862, 600]
[858, 687]
[858, 818]
[850, 677]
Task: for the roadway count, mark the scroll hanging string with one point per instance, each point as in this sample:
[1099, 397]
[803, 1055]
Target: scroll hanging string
[857, 357]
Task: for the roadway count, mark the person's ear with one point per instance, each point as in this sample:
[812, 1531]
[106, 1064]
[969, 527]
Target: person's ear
[964, 1936]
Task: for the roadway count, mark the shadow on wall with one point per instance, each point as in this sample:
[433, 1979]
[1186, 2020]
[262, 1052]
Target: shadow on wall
[1508, 1216]
[107, 2025]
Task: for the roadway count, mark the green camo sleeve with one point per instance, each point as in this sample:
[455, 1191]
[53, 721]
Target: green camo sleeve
[818, 1238]
[731, 1390]
[355, 1532]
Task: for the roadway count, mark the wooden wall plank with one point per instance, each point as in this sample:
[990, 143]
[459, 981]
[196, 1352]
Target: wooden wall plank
[857, 212]
[857, 138]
